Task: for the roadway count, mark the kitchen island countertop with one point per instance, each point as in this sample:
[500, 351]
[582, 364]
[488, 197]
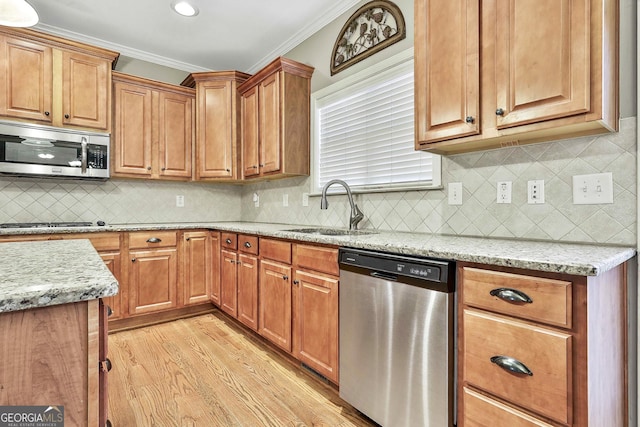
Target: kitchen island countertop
[45, 273]
[570, 258]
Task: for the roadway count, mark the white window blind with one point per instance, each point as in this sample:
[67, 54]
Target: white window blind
[365, 134]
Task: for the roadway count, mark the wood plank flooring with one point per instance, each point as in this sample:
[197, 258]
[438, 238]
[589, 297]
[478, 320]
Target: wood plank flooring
[206, 371]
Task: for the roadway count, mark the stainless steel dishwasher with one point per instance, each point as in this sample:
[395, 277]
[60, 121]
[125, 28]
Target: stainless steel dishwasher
[397, 338]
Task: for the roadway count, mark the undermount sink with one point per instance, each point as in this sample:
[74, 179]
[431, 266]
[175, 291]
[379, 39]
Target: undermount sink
[331, 231]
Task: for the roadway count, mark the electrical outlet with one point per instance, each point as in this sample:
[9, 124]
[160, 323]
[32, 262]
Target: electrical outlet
[180, 201]
[305, 199]
[535, 192]
[594, 189]
[285, 200]
[455, 193]
[504, 192]
[256, 200]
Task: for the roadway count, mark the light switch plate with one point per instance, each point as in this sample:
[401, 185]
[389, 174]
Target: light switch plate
[455, 193]
[593, 189]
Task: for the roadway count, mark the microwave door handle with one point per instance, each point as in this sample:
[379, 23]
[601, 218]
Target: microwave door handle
[84, 155]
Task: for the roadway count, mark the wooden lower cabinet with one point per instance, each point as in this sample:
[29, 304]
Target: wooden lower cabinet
[275, 303]
[215, 266]
[196, 267]
[153, 280]
[113, 262]
[59, 363]
[248, 290]
[541, 349]
[316, 321]
[229, 282]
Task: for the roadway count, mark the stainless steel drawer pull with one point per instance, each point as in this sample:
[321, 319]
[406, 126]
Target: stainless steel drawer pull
[228, 241]
[510, 364]
[247, 245]
[153, 240]
[511, 295]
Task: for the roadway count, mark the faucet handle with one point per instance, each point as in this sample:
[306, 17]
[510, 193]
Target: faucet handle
[356, 217]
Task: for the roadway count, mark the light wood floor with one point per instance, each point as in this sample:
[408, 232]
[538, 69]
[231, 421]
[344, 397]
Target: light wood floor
[206, 371]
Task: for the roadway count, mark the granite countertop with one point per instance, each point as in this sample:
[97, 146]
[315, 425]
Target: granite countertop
[570, 258]
[44, 273]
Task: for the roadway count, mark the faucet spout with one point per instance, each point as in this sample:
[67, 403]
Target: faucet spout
[356, 214]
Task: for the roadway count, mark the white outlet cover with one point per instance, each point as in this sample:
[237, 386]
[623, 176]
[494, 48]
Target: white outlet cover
[455, 193]
[180, 201]
[305, 199]
[535, 192]
[593, 189]
[503, 192]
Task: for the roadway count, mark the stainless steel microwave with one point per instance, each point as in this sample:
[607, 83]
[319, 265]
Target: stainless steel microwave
[35, 150]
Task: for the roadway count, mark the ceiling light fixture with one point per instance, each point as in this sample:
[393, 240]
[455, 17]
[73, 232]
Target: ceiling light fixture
[183, 8]
[17, 13]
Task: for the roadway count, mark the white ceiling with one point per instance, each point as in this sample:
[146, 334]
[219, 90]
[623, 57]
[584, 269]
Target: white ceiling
[239, 35]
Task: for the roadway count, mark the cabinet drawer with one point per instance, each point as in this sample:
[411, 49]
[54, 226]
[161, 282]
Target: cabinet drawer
[276, 250]
[248, 244]
[545, 352]
[100, 241]
[152, 239]
[229, 240]
[481, 410]
[317, 258]
[550, 299]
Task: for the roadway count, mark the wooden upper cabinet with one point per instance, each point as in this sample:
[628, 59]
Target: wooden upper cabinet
[513, 72]
[542, 60]
[54, 81]
[447, 76]
[26, 77]
[153, 129]
[276, 126]
[217, 124]
[86, 94]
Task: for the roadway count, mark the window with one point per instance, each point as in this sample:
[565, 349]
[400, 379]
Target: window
[364, 131]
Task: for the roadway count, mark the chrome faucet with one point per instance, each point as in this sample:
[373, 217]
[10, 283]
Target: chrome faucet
[356, 214]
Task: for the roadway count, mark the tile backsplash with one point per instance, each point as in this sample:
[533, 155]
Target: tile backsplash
[558, 219]
[139, 201]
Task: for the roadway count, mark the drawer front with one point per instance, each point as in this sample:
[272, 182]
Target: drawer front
[100, 241]
[550, 300]
[229, 240]
[545, 352]
[275, 250]
[317, 258]
[152, 239]
[482, 411]
[248, 244]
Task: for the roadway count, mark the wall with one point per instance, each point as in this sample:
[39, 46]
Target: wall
[480, 215]
[115, 201]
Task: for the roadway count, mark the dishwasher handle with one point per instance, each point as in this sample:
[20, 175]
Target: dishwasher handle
[384, 276]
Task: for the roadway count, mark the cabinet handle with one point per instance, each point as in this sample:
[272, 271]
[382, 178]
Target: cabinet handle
[163, 169]
[66, 116]
[46, 113]
[261, 166]
[108, 424]
[499, 112]
[105, 365]
[285, 277]
[153, 240]
[109, 311]
[228, 170]
[148, 168]
[296, 282]
[469, 119]
[247, 245]
[188, 238]
[228, 241]
[133, 260]
[254, 167]
[512, 365]
[511, 295]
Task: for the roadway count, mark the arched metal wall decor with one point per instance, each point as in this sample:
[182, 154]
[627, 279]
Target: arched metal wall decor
[371, 28]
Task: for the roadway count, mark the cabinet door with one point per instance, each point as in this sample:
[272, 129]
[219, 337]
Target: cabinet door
[197, 268]
[542, 60]
[270, 137]
[215, 157]
[316, 322]
[26, 76]
[248, 290]
[229, 282]
[250, 133]
[275, 303]
[132, 130]
[175, 134]
[152, 281]
[215, 267]
[85, 90]
[447, 78]
[112, 261]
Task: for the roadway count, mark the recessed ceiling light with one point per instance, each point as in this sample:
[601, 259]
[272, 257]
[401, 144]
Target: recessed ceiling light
[17, 13]
[184, 8]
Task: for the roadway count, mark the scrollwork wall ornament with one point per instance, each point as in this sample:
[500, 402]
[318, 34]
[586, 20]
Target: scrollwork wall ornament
[371, 28]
